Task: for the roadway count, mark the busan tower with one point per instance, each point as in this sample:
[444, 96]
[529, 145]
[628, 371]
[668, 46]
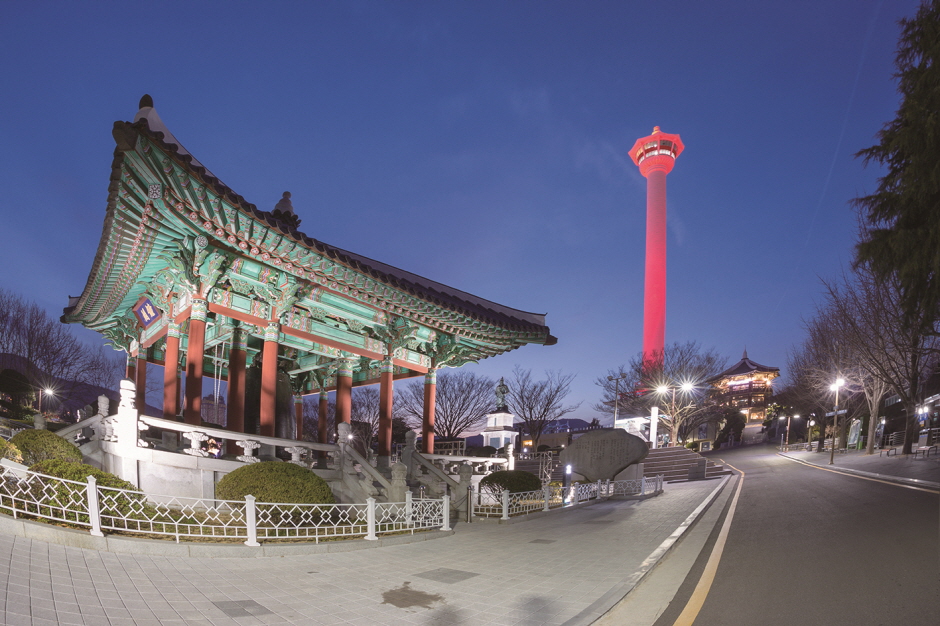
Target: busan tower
[655, 155]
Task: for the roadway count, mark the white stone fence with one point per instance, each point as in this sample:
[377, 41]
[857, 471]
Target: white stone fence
[30, 495]
[505, 505]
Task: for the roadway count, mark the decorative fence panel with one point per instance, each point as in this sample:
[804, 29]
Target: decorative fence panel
[25, 494]
[504, 505]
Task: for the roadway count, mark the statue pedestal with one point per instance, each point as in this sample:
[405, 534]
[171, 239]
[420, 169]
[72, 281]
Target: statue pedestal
[499, 431]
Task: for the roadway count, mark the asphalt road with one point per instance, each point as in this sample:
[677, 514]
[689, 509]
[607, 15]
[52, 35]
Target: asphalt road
[812, 547]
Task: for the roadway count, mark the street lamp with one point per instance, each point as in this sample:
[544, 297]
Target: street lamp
[663, 390]
[617, 380]
[835, 418]
[796, 417]
[48, 391]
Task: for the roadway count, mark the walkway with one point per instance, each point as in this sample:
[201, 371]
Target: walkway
[902, 466]
[563, 568]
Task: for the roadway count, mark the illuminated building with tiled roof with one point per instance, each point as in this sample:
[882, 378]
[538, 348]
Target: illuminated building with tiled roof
[747, 386]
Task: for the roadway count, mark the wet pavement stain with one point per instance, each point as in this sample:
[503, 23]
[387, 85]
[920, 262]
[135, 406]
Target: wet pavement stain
[406, 598]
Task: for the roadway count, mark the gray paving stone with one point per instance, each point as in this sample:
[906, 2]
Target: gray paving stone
[541, 571]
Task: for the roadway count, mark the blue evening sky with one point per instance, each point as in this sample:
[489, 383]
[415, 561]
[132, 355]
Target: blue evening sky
[480, 144]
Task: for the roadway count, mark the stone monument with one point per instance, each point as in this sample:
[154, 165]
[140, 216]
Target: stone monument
[499, 430]
[604, 453]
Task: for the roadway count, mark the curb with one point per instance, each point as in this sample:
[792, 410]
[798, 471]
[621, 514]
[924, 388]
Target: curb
[901, 480]
[116, 544]
[606, 602]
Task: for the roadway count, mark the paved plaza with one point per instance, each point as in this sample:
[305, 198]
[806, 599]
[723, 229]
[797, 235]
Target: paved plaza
[561, 568]
[567, 567]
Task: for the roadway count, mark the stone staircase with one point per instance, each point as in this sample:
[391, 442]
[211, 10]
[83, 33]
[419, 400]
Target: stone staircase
[674, 464]
[533, 466]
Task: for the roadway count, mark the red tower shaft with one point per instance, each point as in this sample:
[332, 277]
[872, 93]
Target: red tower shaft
[654, 287]
[655, 155]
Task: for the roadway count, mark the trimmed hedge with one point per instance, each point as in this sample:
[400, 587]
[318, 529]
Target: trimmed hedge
[69, 497]
[514, 480]
[80, 472]
[275, 482]
[10, 451]
[42, 445]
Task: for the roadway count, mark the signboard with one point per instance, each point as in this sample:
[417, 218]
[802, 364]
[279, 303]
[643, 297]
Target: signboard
[146, 312]
[829, 414]
[854, 430]
[879, 432]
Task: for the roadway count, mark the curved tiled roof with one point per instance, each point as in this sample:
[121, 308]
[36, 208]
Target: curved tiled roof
[743, 367]
[148, 123]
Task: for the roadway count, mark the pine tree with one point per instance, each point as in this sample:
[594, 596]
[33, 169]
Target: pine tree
[901, 229]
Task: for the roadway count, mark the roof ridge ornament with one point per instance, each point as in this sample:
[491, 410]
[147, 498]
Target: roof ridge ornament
[145, 101]
[284, 211]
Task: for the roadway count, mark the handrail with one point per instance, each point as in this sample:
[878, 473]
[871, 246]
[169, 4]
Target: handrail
[496, 460]
[374, 473]
[228, 434]
[71, 429]
[435, 469]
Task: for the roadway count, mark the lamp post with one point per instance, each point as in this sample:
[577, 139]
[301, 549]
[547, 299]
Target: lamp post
[664, 389]
[835, 418]
[796, 417]
[48, 391]
[617, 380]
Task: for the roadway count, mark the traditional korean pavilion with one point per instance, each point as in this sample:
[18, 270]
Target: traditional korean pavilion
[190, 276]
[746, 385]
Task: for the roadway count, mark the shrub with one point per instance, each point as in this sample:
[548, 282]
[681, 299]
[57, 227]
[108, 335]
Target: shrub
[275, 481]
[514, 480]
[42, 445]
[72, 497]
[10, 451]
[487, 451]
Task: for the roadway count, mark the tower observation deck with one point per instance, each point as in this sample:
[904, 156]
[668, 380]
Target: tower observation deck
[655, 155]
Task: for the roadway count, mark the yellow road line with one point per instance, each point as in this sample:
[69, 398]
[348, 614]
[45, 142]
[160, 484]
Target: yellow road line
[874, 480]
[697, 599]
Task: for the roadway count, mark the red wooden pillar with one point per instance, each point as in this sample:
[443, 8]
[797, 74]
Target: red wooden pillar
[195, 353]
[299, 415]
[171, 380]
[386, 391]
[322, 435]
[140, 380]
[269, 379]
[427, 424]
[344, 375]
[236, 387]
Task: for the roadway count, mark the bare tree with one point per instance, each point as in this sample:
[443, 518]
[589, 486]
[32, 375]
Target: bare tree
[538, 403]
[312, 418]
[675, 383]
[48, 352]
[463, 399]
[364, 414]
[815, 365]
[885, 341]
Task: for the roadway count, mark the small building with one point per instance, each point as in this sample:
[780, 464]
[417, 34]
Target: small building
[747, 386]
